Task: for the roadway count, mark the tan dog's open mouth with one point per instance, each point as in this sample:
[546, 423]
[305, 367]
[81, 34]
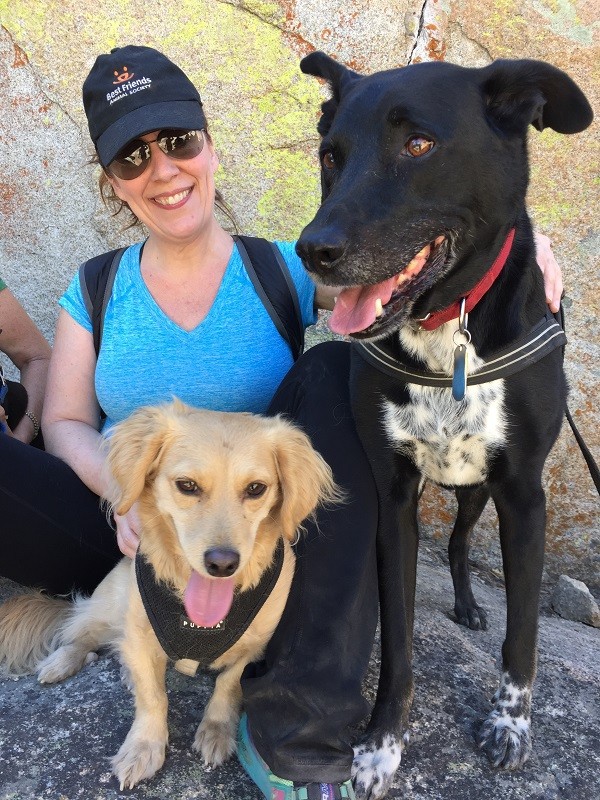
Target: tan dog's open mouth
[207, 600]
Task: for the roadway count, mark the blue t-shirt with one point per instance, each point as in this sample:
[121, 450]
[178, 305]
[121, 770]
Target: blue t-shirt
[234, 360]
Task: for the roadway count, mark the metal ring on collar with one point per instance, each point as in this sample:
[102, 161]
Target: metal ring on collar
[466, 334]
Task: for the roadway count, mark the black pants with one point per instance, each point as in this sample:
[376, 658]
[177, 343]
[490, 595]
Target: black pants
[304, 697]
[53, 533]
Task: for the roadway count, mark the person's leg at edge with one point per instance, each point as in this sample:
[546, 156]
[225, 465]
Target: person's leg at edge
[303, 699]
[53, 533]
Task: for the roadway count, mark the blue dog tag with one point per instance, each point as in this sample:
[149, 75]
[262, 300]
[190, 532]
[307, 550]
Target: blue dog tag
[459, 376]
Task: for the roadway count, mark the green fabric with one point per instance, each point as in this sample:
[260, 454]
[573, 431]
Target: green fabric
[2, 285]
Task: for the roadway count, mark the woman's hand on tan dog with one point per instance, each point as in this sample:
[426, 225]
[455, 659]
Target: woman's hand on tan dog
[128, 526]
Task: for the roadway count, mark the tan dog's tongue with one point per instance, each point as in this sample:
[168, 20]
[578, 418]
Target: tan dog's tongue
[207, 600]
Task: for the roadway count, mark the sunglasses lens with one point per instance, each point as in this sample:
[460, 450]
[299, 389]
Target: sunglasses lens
[131, 161]
[181, 144]
[135, 157]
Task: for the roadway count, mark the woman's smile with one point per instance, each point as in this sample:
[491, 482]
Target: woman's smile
[172, 200]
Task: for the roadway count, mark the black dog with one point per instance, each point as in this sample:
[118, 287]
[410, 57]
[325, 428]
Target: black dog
[457, 371]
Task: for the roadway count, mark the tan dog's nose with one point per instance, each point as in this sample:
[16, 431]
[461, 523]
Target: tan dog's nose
[221, 562]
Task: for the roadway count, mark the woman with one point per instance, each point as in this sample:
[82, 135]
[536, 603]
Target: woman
[184, 319]
[25, 346]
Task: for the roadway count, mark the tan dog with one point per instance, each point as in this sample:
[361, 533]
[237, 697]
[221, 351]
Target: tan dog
[216, 493]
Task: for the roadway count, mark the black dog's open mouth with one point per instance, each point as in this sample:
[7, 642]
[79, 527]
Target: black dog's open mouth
[369, 311]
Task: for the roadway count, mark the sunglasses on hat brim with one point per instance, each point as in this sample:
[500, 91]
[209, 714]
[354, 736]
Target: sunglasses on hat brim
[133, 159]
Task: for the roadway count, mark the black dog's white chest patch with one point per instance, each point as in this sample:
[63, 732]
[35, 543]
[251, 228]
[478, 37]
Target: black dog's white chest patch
[449, 441]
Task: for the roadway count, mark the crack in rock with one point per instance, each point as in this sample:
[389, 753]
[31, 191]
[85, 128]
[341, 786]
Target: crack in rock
[430, 41]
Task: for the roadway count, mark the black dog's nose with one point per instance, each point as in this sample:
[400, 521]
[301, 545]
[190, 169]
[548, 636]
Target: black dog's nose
[221, 562]
[320, 251]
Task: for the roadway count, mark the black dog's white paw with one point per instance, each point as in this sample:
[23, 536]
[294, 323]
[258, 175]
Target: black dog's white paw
[505, 736]
[375, 765]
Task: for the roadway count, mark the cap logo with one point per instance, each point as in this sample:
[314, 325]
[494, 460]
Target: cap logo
[126, 86]
[123, 76]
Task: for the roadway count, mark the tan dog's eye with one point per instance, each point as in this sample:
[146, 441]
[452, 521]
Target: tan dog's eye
[255, 489]
[187, 486]
[417, 146]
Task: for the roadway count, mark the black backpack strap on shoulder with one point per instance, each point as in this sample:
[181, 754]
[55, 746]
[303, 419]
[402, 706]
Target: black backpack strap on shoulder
[96, 278]
[274, 285]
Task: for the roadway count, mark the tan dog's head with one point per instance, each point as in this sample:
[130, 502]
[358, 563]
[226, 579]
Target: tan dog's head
[215, 490]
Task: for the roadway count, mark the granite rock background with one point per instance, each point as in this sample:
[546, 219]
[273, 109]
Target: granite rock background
[243, 56]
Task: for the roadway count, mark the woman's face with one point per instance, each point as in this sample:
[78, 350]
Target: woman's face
[173, 198]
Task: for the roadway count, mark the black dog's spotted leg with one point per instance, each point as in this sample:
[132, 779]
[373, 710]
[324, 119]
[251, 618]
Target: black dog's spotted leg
[377, 756]
[505, 736]
[471, 502]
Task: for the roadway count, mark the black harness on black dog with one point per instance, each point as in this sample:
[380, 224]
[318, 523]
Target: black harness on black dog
[541, 340]
[533, 346]
[181, 638]
[544, 337]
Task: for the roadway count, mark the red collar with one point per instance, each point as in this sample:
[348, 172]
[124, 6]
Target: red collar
[432, 321]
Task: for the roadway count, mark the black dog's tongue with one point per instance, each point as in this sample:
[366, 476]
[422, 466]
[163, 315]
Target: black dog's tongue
[358, 307]
[355, 308]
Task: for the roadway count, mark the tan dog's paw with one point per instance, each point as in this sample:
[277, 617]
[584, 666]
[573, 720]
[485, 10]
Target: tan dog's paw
[138, 759]
[215, 741]
[64, 662]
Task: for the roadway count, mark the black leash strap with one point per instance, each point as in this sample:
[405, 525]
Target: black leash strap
[585, 451]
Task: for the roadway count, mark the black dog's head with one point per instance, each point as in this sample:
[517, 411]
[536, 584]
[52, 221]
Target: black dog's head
[423, 169]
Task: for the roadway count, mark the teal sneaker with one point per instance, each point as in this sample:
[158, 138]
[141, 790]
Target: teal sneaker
[274, 788]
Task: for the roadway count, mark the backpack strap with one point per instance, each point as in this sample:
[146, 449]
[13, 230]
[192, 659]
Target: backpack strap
[96, 278]
[274, 285]
[264, 264]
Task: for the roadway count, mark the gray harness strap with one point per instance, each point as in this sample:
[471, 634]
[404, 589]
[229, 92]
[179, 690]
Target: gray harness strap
[541, 340]
[179, 636]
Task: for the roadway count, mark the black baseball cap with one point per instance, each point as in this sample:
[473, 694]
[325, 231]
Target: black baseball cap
[134, 90]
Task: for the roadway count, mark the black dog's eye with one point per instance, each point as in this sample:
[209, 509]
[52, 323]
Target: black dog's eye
[328, 160]
[187, 486]
[256, 489]
[417, 146]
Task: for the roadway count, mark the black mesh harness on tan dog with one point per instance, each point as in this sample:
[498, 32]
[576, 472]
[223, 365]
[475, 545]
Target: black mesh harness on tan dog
[181, 638]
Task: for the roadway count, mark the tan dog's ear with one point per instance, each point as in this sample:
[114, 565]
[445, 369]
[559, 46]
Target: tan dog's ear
[305, 477]
[135, 447]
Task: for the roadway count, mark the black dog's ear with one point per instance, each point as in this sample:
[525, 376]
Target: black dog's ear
[524, 92]
[339, 78]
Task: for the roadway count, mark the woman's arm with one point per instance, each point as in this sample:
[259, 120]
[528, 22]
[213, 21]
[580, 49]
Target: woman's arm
[23, 343]
[71, 417]
[553, 282]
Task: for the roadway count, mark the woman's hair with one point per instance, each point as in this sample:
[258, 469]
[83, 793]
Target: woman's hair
[115, 205]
